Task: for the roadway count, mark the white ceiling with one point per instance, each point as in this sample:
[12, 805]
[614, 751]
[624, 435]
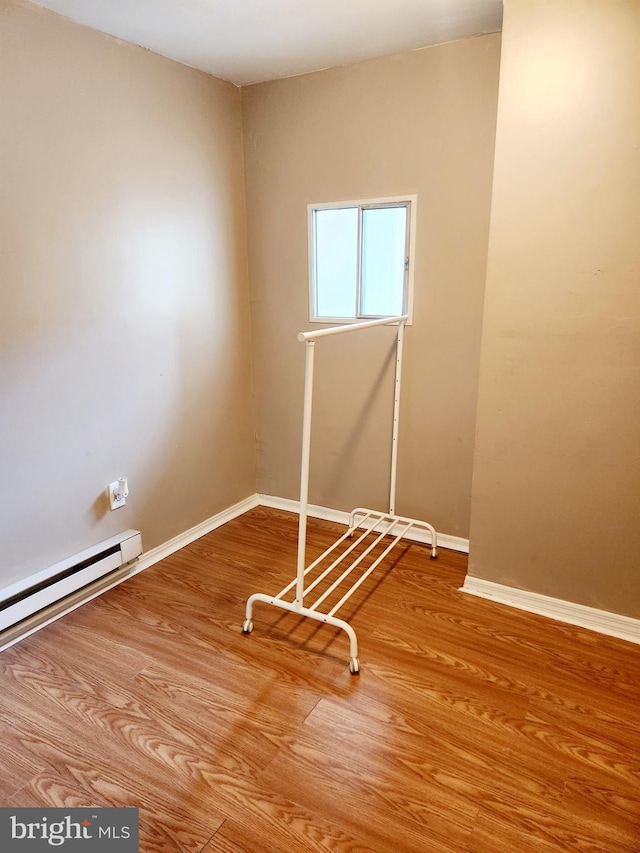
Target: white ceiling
[248, 41]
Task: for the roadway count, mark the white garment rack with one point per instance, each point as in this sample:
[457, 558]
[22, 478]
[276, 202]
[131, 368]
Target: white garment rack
[377, 525]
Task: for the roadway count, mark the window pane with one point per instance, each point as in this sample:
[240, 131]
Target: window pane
[336, 262]
[383, 256]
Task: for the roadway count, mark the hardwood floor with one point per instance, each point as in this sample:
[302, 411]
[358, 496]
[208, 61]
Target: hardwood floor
[472, 728]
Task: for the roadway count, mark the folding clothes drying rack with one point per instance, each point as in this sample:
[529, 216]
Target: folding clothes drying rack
[377, 525]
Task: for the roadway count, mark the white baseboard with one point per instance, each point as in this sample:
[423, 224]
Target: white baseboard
[167, 548]
[602, 621]
[144, 561]
[149, 558]
[454, 543]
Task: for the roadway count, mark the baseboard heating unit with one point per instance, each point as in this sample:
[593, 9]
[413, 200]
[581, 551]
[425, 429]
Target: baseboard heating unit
[28, 604]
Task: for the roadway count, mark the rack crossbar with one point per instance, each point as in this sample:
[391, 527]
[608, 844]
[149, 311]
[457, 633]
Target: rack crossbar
[337, 562]
[415, 523]
[331, 548]
[353, 565]
[317, 561]
[351, 327]
[371, 568]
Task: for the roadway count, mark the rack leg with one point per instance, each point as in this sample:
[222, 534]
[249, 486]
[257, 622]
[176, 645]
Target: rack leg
[247, 625]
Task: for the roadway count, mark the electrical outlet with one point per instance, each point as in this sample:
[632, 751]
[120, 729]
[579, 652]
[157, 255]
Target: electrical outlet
[118, 492]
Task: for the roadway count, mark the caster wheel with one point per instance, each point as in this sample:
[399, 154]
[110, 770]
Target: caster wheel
[247, 626]
[354, 666]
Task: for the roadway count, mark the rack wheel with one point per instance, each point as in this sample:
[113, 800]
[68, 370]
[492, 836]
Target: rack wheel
[247, 626]
[354, 666]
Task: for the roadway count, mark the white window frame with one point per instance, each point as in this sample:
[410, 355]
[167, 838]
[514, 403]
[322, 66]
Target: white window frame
[411, 200]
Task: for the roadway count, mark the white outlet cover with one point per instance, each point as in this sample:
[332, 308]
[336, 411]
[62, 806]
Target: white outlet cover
[115, 503]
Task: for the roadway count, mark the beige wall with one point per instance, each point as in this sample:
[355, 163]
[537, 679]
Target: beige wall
[423, 123]
[123, 296]
[556, 495]
[124, 315]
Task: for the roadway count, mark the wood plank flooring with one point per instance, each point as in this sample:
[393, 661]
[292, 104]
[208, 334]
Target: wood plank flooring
[472, 728]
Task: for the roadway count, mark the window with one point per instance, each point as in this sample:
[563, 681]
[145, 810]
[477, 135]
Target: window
[360, 257]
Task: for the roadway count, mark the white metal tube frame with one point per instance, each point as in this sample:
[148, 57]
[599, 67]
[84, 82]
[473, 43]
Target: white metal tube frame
[365, 518]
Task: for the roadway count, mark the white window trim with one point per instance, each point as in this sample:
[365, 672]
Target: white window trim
[412, 198]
